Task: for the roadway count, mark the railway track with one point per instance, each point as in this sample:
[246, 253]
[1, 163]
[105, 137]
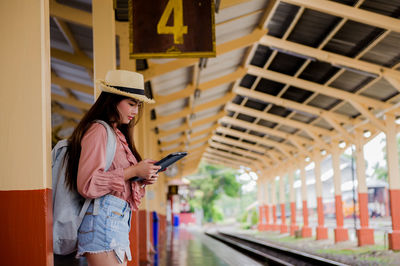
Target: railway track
[268, 253]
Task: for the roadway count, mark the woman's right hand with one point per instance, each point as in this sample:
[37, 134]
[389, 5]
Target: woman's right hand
[145, 169]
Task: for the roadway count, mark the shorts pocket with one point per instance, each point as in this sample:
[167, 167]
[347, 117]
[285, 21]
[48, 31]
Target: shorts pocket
[117, 227]
[86, 230]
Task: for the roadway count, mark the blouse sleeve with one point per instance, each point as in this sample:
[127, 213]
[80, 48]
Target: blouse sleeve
[93, 181]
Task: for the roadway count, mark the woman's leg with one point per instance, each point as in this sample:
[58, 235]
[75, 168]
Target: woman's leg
[103, 259]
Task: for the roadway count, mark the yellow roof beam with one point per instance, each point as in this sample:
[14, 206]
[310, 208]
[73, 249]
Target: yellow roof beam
[238, 144]
[260, 140]
[332, 58]
[278, 119]
[187, 111]
[229, 156]
[293, 105]
[352, 13]
[315, 87]
[71, 84]
[80, 60]
[70, 14]
[70, 101]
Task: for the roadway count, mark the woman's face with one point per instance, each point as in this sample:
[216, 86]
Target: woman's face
[127, 110]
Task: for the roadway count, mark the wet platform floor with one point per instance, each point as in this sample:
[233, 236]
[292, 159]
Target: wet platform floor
[183, 246]
[190, 246]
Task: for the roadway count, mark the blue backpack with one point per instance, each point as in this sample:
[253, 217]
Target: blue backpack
[68, 211]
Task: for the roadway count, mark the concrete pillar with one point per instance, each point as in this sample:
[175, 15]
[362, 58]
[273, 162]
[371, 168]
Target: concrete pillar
[142, 130]
[321, 231]
[125, 64]
[305, 230]
[365, 234]
[292, 197]
[283, 228]
[25, 160]
[274, 225]
[394, 180]
[260, 199]
[104, 51]
[266, 205]
[341, 233]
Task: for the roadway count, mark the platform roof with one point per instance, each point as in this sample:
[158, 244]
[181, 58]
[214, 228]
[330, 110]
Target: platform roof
[291, 79]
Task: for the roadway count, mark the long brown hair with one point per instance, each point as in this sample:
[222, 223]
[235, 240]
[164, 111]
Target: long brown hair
[105, 108]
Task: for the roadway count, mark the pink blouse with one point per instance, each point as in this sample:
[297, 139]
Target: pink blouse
[93, 181]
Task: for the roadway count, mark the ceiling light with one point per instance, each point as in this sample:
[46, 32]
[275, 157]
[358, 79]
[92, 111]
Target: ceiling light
[367, 133]
[342, 144]
[308, 159]
[323, 152]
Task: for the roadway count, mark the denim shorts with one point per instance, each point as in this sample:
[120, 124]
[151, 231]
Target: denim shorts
[108, 230]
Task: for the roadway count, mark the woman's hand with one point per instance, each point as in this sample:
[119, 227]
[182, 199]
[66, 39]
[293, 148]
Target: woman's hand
[150, 181]
[144, 169]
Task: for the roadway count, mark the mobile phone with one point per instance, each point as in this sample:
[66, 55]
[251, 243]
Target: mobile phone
[165, 162]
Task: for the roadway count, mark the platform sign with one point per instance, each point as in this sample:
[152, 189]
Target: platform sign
[171, 28]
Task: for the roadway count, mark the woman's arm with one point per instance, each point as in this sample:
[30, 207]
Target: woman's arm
[93, 181]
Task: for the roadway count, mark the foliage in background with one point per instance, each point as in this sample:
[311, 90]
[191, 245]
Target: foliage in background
[215, 181]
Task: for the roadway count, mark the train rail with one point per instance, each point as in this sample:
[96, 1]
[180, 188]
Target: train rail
[268, 253]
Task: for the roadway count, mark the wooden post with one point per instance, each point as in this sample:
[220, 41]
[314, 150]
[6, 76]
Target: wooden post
[341, 233]
[322, 231]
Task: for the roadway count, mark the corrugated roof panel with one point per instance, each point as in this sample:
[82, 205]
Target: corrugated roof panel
[312, 28]
[281, 19]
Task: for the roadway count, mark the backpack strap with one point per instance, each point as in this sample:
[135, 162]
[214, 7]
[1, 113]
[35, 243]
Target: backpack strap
[111, 147]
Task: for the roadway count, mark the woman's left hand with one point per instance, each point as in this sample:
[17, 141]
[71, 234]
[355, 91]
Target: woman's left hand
[151, 180]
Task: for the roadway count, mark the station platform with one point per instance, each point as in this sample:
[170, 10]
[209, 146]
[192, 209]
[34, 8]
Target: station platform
[188, 245]
[183, 246]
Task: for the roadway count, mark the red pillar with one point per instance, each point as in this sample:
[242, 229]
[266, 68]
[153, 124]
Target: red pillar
[26, 227]
[143, 236]
[341, 233]
[260, 226]
[365, 234]
[293, 226]
[274, 226]
[305, 230]
[284, 227]
[266, 215]
[322, 231]
[134, 239]
[393, 179]
[394, 237]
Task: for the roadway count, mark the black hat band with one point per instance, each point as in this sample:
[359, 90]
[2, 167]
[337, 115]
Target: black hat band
[129, 90]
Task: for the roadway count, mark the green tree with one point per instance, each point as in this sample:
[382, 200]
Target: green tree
[215, 181]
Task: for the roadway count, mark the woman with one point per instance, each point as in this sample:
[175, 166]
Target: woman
[103, 236]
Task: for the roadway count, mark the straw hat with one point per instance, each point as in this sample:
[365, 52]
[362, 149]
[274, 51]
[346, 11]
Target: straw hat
[125, 83]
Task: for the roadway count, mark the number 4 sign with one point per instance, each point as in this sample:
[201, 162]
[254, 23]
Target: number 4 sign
[171, 28]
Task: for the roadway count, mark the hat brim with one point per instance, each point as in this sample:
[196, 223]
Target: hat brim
[104, 87]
